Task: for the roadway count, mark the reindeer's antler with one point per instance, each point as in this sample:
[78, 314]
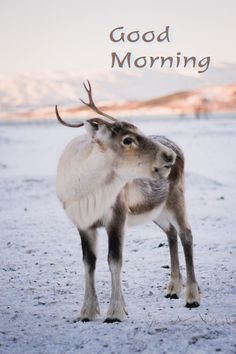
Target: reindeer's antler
[91, 103]
[64, 123]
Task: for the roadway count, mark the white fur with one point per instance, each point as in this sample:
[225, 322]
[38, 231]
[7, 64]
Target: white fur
[192, 293]
[175, 286]
[145, 217]
[165, 219]
[116, 309]
[82, 167]
[90, 308]
[88, 209]
[83, 181]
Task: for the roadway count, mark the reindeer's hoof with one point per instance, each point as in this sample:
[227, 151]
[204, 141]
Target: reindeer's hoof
[111, 320]
[86, 319]
[192, 304]
[172, 296]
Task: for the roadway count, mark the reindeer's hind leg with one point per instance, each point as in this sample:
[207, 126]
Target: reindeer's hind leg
[192, 294]
[175, 284]
[177, 211]
[90, 308]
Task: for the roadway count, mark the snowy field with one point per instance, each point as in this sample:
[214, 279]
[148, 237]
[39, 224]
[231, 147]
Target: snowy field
[41, 270]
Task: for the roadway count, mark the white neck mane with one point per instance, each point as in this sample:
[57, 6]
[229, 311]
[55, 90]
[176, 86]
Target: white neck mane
[86, 184]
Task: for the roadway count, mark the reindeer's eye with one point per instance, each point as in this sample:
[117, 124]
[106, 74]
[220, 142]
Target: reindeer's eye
[127, 141]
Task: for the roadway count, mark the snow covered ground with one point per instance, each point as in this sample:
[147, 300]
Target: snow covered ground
[41, 270]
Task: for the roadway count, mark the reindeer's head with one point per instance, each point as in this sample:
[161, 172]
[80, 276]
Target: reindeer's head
[134, 154]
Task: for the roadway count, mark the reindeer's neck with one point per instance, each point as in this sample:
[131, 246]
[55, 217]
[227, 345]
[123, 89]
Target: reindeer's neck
[88, 209]
[86, 183]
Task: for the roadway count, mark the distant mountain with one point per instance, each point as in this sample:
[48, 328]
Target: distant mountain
[199, 101]
[34, 96]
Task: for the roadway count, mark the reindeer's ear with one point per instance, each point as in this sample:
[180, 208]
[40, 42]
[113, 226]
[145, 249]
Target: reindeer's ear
[98, 129]
[91, 127]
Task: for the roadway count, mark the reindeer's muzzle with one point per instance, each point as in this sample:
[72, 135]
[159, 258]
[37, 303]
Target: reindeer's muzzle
[165, 160]
[169, 157]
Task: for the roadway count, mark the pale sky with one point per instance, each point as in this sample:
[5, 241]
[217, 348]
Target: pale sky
[73, 35]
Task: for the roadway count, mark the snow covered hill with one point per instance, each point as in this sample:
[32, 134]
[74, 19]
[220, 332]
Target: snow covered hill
[34, 95]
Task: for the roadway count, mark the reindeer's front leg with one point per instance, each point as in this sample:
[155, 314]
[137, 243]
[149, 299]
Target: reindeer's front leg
[90, 308]
[115, 230]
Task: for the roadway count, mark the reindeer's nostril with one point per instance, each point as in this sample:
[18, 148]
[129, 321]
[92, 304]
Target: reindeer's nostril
[155, 169]
[168, 157]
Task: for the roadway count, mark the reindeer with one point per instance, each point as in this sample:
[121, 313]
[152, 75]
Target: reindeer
[115, 176]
